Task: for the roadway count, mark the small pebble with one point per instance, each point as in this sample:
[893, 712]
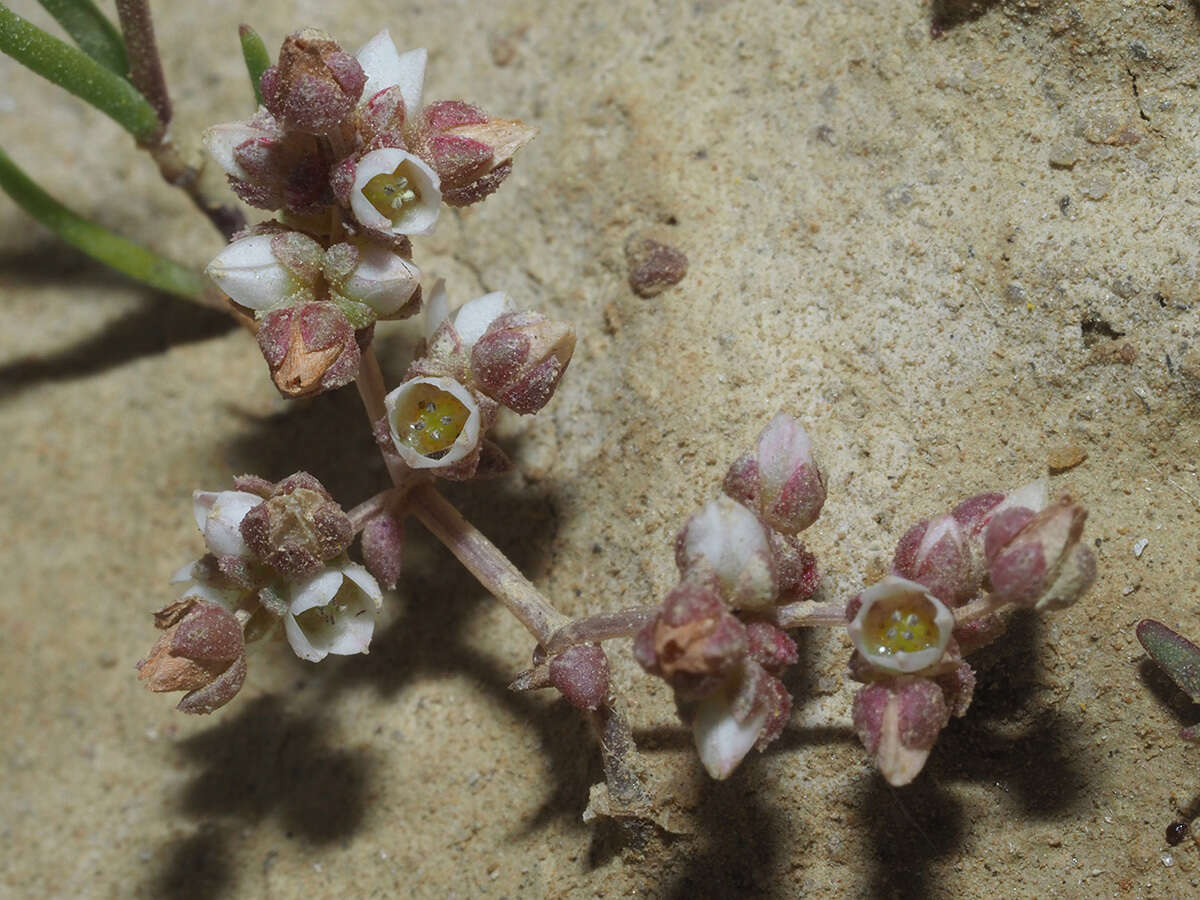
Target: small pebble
[653, 267]
[1176, 832]
[1140, 547]
[1064, 457]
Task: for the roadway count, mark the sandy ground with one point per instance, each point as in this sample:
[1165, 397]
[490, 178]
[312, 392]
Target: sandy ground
[949, 256]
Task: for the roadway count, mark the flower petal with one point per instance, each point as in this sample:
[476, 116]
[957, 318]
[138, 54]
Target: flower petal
[248, 271]
[385, 67]
[315, 591]
[476, 315]
[419, 217]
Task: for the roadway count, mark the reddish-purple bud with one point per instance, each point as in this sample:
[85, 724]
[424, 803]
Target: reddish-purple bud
[315, 85]
[935, 553]
[520, 358]
[383, 548]
[694, 642]
[298, 528]
[781, 481]
[898, 722]
[1036, 560]
[471, 151]
[771, 647]
[795, 568]
[201, 651]
[581, 675]
[310, 348]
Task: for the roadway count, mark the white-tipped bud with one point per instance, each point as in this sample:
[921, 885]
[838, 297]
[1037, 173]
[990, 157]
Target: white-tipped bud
[475, 316]
[222, 140]
[520, 359]
[251, 274]
[219, 517]
[333, 612]
[722, 741]
[727, 540]
[382, 279]
[900, 626]
[434, 422]
[395, 192]
[782, 480]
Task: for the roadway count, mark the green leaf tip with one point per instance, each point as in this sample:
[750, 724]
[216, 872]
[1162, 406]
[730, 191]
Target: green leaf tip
[124, 255]
[258, 60]
[1177, 656]
[76, 72]
[92, 31]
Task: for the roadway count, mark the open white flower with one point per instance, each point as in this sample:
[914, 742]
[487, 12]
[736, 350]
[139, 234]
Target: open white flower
[195, 587]
[396, 192]
[333, 612]
[435, 422]
[219, 517]
[900, 626]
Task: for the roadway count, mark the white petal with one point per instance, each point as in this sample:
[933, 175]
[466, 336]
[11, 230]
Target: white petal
[721, 740]
[462, 447]
[437, 306]
[365, 581]
[420, 218]
[476, 315]
[248, 272]
[222, 528]
[202, 591]
[382, 279]
[315, 591]
[183, 573]
[202, 504]
[384, 67]
[1035, 496]
[783, 446]
[299, 641]
[221, 140]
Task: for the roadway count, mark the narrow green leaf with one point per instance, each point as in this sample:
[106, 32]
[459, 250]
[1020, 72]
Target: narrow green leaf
[1178, 656]
[75, 71]
[257, 58]
[91, 30]
[97, 241]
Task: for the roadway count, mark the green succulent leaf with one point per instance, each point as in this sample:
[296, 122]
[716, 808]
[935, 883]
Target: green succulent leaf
[258, 60]
[76, 72]
[98, 242]
[1177, 656]
[92, 31]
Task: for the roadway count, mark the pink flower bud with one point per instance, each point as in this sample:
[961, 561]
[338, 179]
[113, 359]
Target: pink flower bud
[781, 481]
[471, 151]
[750, 709]
[383, 548]
[581, 675]
[520, 358]
[899, 626]
[1036, 560]
[771, 647]
[314, 86]
[309, 348]
[795, 568]
[898, 722]
[726, 541]
[201, 651]
[935, 553]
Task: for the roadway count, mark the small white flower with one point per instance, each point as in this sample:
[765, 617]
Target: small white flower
[722, 742]
[385, 68]
[396, 192]
[900, 626]
[219, 517]
[476, 315]
[249, 272]
[434, 422]
[382, 279]
[194, 587]
[333, 612]
[730, 541]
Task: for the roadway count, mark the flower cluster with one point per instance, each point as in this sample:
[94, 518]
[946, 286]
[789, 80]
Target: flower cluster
[714, 639]
[950, 577]
[276, 554]
[352, 163]
[489, 355]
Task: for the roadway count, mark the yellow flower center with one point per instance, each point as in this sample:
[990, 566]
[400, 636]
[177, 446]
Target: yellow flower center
[903, 629]
[430, 420]
[392, 193]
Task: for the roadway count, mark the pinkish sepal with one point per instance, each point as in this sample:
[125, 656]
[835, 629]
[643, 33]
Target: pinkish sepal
[898, 722]
[1036, 560]
[782, 481]
[383, 548]
[581, 675]
[519, 360]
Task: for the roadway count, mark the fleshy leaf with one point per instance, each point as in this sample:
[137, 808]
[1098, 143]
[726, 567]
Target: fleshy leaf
[1177, 656]
[258, 60]
[92, 31]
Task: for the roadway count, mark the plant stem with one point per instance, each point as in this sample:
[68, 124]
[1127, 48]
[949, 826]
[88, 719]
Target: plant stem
[485, 561]
[145, 65]
[807, 614]
[602, 627]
